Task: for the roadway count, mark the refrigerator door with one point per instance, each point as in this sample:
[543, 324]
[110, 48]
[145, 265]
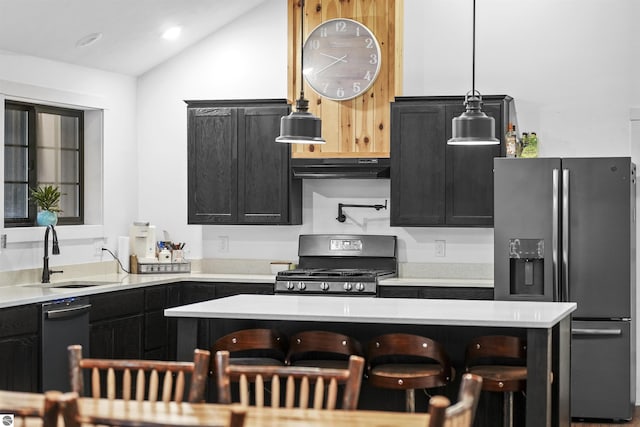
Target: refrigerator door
[602, 381]
[601, 199]
[526, 228]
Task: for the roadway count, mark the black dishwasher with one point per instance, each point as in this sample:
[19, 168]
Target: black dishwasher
[64, 322]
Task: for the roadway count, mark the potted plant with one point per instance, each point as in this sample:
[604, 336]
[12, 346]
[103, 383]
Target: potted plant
[47, 198]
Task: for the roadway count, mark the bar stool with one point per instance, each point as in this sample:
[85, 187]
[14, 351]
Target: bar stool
[501, 362]
[407, 362]
[322, 349]
[257, 346]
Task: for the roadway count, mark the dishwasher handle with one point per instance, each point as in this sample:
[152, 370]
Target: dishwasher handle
[62, 313]
[594, 331]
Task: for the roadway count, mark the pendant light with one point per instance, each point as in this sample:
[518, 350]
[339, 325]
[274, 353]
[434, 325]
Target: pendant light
[301, 127]
[473, 127]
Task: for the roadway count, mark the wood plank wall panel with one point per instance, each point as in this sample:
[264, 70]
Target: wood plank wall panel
[358, 127]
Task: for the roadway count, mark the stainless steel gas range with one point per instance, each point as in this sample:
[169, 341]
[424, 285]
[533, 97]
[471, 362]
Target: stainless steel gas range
[348, 265]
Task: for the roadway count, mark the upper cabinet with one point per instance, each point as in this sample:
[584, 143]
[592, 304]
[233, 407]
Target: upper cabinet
[435, 184]
[237, 173]
[356, 127]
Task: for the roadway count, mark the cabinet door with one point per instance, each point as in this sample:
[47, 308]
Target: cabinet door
[263, 166]
[19, 363]
[118, 338]
[212, 160]
[469, 189]
[417, 165]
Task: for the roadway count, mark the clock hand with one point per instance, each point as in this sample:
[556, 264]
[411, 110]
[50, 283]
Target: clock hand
[331, 64]
[333, 57]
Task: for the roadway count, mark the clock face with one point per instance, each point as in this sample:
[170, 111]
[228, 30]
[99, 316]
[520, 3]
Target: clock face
[341, 59]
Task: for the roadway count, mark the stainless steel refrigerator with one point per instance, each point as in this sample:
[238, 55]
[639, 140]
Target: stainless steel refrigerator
[564, 230]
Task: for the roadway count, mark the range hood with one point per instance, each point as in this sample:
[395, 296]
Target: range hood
[361, 168]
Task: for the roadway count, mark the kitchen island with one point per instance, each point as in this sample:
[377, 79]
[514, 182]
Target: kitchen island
[546, 326]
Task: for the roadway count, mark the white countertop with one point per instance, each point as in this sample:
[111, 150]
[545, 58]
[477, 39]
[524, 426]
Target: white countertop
[14, 295]
[522, 314]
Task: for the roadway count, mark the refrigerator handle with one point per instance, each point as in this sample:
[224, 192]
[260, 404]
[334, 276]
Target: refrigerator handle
[565, 234]
[554, 234]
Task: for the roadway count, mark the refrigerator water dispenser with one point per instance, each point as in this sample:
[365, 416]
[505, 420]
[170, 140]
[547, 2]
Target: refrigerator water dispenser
[526, 266]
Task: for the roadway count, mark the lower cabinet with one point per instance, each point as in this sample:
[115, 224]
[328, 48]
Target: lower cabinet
[19, 348]
[116, 325]
[435, 292]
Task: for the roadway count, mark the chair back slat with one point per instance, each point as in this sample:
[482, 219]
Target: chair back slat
[303, 377]
[118, 374]
[126, 384]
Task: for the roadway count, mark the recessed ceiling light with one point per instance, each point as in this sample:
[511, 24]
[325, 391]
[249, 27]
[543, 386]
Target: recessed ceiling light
[88, 40]
[172, 33]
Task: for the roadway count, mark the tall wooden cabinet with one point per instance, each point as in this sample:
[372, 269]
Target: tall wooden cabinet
[237, 173]
[435, 184]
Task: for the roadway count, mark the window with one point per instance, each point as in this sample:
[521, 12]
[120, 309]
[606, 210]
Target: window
[43, 146]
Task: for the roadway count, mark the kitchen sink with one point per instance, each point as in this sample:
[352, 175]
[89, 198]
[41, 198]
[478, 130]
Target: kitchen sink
[73, 284]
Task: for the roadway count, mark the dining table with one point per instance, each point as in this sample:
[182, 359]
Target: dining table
[133, 413]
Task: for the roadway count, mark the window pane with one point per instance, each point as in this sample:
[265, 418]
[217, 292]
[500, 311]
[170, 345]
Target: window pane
[69, 167]
[15, 164]
[48, 162]
[69, 201]
[15, 201]
[16, 127]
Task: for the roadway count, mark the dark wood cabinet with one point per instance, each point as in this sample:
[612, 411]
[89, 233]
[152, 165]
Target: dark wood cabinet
[435, 292]
[435, 184]
[160, 331]
[237, 173]
[116, 325]
[19, 348]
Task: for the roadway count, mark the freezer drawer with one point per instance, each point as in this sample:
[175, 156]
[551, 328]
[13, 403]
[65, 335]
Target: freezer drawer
[602, 377]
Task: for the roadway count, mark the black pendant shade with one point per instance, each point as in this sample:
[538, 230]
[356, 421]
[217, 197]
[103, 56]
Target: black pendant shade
[473, 127]
[300, 127]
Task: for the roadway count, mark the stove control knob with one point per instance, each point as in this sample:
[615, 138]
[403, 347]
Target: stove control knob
[324, 286]
[360, 286]
[290, 285]
[347, 286]
[301, 286]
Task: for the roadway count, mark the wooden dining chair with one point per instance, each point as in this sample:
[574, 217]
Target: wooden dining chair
[407, 362]
[28, 410]
[462, 413]
[107, 373]
[501, 361]
[259, 346]
[72, 416]
[322, 349]
[324, 393]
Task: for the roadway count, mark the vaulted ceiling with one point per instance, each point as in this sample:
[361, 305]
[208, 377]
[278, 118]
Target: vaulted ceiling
[128, 32]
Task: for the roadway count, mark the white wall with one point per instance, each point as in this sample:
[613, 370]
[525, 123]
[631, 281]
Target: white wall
[567, 64]
[47, 81]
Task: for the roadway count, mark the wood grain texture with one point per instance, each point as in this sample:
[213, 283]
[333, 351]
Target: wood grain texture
[358, 127]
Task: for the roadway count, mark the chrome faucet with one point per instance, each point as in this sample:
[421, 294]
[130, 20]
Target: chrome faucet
[55, 250]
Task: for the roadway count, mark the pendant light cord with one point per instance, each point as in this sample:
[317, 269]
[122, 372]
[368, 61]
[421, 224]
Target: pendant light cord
[302, 49]
[473, 54]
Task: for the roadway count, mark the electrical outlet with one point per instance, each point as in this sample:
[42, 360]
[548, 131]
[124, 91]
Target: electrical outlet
[440, 248]
[223, 244]
[97, 247]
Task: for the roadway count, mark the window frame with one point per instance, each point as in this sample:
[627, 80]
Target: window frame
[33, 110]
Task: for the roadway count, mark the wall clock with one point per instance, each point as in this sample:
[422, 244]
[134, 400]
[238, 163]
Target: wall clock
[342, 59]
